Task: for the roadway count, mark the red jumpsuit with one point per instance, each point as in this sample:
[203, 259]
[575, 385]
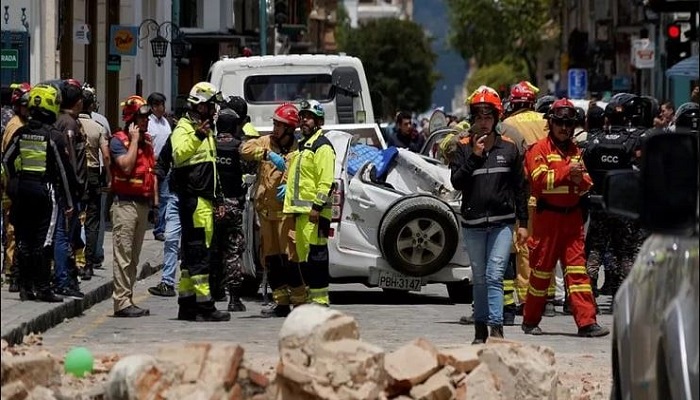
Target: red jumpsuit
[557, 232]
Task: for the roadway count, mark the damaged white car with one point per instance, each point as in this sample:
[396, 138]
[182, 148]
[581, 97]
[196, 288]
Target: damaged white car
[395, 218]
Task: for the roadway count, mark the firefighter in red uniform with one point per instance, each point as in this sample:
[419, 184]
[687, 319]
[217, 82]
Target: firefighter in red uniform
[558, 179]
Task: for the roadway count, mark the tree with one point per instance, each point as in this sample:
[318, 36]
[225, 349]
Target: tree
[398, 61]
[494, 31]
[495, 76]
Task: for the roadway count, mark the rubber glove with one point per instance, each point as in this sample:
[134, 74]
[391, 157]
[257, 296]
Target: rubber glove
[281, 191]
[278, 160]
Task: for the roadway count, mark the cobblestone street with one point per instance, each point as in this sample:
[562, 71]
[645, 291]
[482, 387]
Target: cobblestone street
[388, 324]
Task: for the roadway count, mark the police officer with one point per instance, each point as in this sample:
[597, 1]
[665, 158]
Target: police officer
[307, 194]
[229, 241]
[613, 149]
[39, 177]
[196, 182]
[687, 118]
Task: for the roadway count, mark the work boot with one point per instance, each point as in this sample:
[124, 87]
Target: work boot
[213, 316]
[531, 329]
[549, 310]
[26, 292]
[87, 273]
[276, 311]
[186, 314]
[593, 330]
[132, 312]
[234, 300]
[509, 315]
[497, 331]
[481, 333]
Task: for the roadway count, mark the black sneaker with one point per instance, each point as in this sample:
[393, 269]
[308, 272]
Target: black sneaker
[49, 297]
[593, 330]
[276, 311]
[70, 293]
[214, 316]
[467, 320]
[163, 290]
[132, 312]
[159, 237]
[531, 329]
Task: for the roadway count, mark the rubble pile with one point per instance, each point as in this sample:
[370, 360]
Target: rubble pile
[321, 356]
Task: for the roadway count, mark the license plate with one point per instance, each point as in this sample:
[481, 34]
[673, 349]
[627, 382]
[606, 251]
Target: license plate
[394, 280]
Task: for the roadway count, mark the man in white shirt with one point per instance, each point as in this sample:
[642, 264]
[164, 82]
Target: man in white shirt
[160, 130]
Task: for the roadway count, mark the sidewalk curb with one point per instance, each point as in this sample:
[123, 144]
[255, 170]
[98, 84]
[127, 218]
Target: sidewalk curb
[71, 308]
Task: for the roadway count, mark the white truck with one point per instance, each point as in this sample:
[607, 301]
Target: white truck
[338, 82]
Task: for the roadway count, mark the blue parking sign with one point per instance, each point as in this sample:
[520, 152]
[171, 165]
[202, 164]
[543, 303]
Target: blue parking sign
[578, 83]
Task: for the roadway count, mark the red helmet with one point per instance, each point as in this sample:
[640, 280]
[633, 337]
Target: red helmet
[287, 114]
[19, 90]
[522, 93]
[132, 106]
[562, 109]
[485, 97]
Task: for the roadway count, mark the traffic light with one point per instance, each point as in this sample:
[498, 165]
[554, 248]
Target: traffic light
[677, 49]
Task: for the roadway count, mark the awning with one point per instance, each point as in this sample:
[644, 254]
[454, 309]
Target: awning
[687, 68]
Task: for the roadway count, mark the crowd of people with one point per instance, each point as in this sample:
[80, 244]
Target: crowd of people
[529, 168]
[63, 168]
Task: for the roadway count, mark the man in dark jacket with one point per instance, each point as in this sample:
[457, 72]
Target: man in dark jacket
[489, 171]
[404, 136]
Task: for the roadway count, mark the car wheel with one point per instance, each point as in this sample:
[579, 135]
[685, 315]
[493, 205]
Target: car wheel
[419, 235]
[460, 292]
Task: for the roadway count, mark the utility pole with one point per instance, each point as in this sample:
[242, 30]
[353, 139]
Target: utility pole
[263, 27]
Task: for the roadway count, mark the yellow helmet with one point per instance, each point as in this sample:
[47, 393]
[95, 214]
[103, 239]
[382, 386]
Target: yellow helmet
[45, 100]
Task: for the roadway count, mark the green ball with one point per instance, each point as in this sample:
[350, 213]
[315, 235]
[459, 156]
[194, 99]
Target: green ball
[79, 361]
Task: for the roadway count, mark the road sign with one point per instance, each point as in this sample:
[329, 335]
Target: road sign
[578, 83]
[643, 56]
[114, 63]
[10, 58]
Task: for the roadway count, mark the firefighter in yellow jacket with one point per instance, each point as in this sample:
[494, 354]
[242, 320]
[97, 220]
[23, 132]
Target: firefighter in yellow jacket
[195, 181]
[273, 153]
[307, 197]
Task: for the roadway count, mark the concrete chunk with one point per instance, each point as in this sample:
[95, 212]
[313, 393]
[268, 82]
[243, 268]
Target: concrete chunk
[410, 363]
[14, 391]
[222, 364]
[190, 357]
[463, 358]
[141, 377]
[481, 384]
[437, 387]
[31, 369]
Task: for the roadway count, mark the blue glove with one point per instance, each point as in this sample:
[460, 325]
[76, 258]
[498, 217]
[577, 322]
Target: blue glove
[281, 191]
[278, 160]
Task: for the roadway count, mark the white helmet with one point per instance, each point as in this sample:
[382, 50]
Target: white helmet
[203, 92]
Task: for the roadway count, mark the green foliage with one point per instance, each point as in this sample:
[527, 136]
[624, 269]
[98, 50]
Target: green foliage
[494, 31]
[495, 75]
[398, 60]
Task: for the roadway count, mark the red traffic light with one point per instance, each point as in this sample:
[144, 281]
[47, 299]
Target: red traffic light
[673, 31]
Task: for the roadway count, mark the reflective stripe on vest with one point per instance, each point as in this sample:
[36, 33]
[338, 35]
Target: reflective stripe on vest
[33, 155]
[308, 146]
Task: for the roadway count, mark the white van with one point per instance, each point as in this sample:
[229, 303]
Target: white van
[265, 82]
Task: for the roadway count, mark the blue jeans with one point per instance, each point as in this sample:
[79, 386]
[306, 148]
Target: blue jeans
[489, 250]
[171, 246]
[165, 197]
[65, 271]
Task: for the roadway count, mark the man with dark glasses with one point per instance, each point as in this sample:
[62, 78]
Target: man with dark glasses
[558, 179]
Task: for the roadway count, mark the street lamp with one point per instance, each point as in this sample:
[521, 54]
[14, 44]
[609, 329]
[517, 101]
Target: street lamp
[159, 44]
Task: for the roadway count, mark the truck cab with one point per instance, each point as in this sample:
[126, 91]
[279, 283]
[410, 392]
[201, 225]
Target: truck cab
[338, 82]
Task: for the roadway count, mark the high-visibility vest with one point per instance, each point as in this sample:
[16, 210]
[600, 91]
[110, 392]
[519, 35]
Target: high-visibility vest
[32, 151]
[141, 181]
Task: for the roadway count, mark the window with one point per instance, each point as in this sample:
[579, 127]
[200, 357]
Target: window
[188, 13]
[280, 88]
